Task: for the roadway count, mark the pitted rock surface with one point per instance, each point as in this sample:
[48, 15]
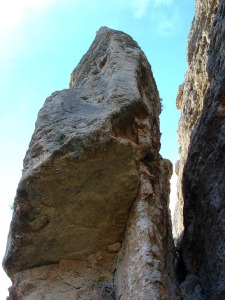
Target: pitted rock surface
[93, 180]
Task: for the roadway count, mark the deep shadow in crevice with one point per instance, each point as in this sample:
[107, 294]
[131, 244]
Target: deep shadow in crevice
[180, 268]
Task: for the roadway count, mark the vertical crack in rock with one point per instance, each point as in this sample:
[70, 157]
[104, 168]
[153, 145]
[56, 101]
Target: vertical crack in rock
[94, 185]
[201, 187]
[144, 267]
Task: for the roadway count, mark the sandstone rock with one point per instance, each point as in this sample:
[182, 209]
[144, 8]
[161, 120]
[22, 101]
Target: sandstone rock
[68, 279]
[201, 168]
[115, 247]
[93, 163]
[145, 264]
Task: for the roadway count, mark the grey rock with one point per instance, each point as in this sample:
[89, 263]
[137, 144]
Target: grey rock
[77, 175]
[202, 138]
[93, 166]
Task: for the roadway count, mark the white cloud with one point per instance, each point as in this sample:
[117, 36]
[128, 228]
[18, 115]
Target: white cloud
[163, 14]
[162, 2]
[167, 21]
[140, 6]
[13, 11]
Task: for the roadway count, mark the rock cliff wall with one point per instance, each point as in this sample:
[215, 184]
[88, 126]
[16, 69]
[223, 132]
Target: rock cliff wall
[201, 188]
[91, 217]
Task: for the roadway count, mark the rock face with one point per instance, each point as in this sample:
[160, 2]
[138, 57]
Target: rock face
[145, 263]
[91, 217]
[201, 168]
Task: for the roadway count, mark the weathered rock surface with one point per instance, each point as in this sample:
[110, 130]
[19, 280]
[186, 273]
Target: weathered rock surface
[93, 180]
[201, 168]
[145, 264]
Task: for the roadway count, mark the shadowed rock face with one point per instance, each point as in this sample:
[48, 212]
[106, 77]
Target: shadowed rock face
[201, 168]
[93, 163]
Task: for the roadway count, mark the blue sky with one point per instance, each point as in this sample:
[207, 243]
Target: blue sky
[41, 41]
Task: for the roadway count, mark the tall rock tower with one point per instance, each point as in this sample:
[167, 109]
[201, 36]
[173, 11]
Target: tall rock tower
[91, 217]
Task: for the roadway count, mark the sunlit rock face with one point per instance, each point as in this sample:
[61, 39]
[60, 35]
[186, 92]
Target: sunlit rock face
[200, 210]
[91, 217]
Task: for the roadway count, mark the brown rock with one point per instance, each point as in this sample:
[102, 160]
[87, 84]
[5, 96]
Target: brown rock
[145, 265]
[114, 248]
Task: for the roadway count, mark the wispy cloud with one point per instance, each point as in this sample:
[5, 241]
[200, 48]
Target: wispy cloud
[157, 3]
[140, 7]
[163, 14]
[167, 21]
